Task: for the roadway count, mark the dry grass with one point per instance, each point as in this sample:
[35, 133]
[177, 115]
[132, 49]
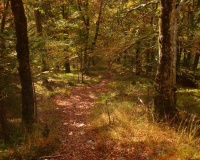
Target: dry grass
[131, 135]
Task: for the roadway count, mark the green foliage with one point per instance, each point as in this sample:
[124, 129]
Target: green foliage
[188, 100]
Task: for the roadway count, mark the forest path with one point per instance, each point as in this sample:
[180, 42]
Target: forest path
[75, 144]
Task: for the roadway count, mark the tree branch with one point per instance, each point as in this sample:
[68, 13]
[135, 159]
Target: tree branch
[141, 5]
[180, 6]
[135, 41]
[97, 25]
[84, 20]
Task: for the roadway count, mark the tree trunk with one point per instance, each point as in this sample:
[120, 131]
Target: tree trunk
[24, 66]
[67, 65]
[196, 61]
[149, 62]
[165, 100]
[86, 20]
[3, 122]
[138, 63]
[96, 33]
[38, 22]
[179, 53]
[187, 59]
[3, 22]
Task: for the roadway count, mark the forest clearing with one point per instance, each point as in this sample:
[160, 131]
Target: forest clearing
[99, 80]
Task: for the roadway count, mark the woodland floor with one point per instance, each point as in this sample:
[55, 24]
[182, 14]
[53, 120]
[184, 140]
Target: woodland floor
[75, 144]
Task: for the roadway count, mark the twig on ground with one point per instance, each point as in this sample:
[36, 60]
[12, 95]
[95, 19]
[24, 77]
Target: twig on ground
[48, 157]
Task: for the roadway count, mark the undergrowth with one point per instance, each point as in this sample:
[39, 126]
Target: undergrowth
[124, 126]
[43, 139]
[45, 136]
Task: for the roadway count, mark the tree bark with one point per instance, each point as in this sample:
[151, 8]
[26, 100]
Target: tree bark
[165, 101]
[38, 22]
[3, 22]
[3, 122]
[96, 32]
[138, 63]
[179, 53]
[196, 61]
[86, 21]
[24, 66]
[67, 65]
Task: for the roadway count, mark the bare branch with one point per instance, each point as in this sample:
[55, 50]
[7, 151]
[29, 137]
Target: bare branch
[141, 5]
[146, 14]
[134, 42]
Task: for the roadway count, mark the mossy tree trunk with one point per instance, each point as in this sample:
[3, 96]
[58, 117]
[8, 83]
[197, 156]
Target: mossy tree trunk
[165, 100]
[24, 66]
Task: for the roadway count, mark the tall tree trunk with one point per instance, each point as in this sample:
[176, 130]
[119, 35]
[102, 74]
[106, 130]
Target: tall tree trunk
[37, 21]
[24, 66]
[3, 22]
[3, 122]
[179, 53]
[86, 46]
[67, 61]
[67, 65]
[165, 101]
[187, 59]
[148, 61]
[96, 32]
[138, 63]
[38, 25]
[196, 61]
[86, 21]
[3, 119]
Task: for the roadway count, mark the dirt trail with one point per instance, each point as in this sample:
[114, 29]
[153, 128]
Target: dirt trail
[75, 144]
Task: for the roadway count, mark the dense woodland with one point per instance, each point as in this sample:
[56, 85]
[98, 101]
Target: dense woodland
[100, 79]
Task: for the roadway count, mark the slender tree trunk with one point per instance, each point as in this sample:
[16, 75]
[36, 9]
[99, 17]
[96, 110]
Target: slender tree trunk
[3, 22]
[179, 53]
[3, 122]
[2, 48]
[86, 47]
[38, 25]
[138, 63]
[196, 61]
[67, 65]
[86, 21]
[165, 101]
[24, 66]
[38, 22]
[97, 32]
[67, 61]
[148, 60]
